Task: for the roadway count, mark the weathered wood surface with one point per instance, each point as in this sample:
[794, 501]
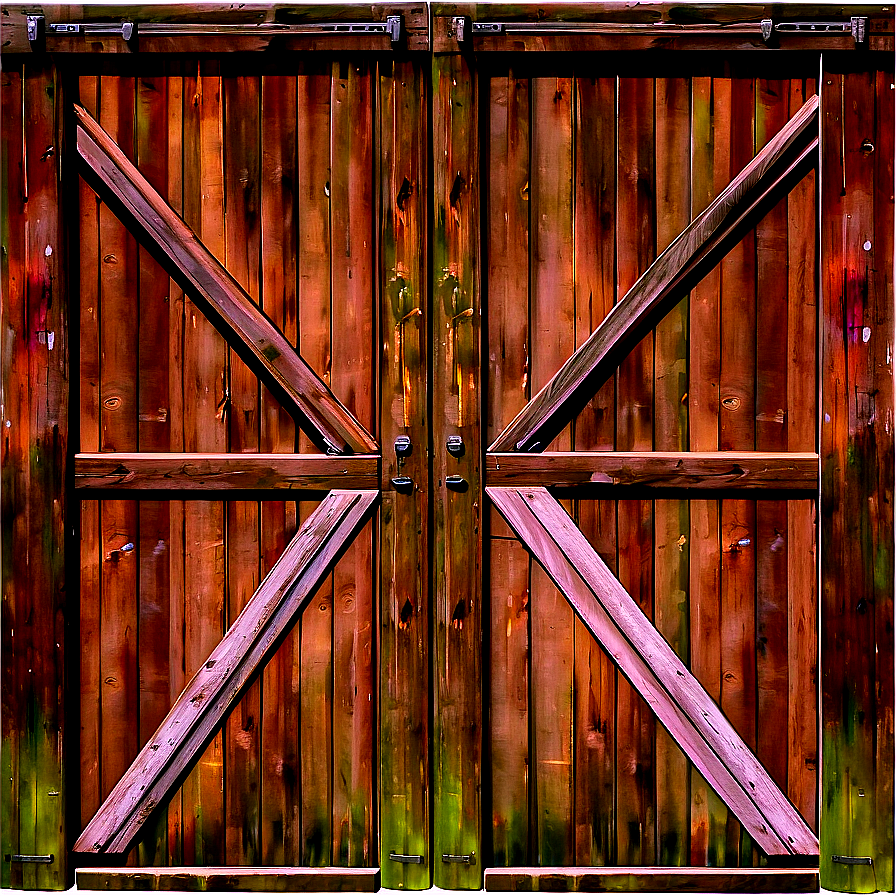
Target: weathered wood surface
[654, 880]
[200, 710]
[252, 335]
[263, 24]
[693, 470]
[404, 621]
[457, 510]
[857, 450]
[123, 471]
[37, 580]
[266, 879]
[695, 252]
[676, 697]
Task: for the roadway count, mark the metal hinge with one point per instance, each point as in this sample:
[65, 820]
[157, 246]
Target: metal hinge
[37, 28]
[35, 860]
[852, 860]
[857, 26]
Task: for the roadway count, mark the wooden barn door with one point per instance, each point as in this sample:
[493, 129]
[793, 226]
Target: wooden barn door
[638, 541]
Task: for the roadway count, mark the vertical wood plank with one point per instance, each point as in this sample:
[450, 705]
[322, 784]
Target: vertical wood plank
[595, 429]
[283, 185]
[772, 99]
[242, 251]
[176, 330]
[89, 378]
[635, 250]
[119, 620]
[857, 458]
[404, 657]
[802, 425]
[352, 194]
[672, 518]
[508, 373]
[34, 450]
[457, 549]
[737, 429]
[153, 433]
[316, 98]
[707, 811]
[15, 406]
[552, 334]
[205, 429]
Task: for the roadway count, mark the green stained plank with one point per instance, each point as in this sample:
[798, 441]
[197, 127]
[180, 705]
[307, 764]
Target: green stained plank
[857, 457]
[404, 530]
[457, 551]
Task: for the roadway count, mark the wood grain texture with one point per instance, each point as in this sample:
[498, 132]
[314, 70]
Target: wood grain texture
[654, 880]
[507, 257]
[354, 315]
[698, 470]
[594, 429]
[205, 375]
[670, 389]
[266, 879]
[551, 340]
[34, 381]
[261, 345]
[195, 472]
[457, 512]
[709, 172]
[280, 182]
[236, 660]
[643, 655]
[404, 611]
[691, 255]
[857, 464]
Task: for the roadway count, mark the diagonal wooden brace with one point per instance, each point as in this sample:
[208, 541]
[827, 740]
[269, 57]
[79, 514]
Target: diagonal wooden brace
[778, 167]
[214, 690]
[245, 327]
[680, 702]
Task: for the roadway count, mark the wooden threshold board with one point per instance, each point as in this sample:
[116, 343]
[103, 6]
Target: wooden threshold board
[231, 879]
[653, 880]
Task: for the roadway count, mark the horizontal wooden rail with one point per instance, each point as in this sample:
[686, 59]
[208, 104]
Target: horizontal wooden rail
[653, 880]
[268, 879]
[701, 245]
[700, 470]
[266, 351]
[676, 697]
[214, 690]
[224, 472]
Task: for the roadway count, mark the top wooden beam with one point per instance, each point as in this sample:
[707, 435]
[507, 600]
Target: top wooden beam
[227, 305]
[705, 241]
[244, 28]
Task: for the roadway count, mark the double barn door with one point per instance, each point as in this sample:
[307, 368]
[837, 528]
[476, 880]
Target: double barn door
[437, 241]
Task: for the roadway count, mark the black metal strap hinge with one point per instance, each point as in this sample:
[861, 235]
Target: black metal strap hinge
[38, 27]
[30, 860]
[852, 860]
[857, 26]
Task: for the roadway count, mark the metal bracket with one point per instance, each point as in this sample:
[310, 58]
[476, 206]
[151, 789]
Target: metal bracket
[456, 483]
[459, 860]
[406, 860]
[34, 860]
[38, 27]
[455, 446]
[402, 484]
[852, 860]
[857, 26]
[402, 446]
[392, 27]
[459, 28]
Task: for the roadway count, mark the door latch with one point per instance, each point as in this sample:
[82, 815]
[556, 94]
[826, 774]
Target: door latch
[459, 860]
[406, 860]
[38, 27]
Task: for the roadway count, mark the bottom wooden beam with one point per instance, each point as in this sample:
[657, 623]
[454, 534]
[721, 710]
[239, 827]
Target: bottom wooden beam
[653, 880]
[232, 880]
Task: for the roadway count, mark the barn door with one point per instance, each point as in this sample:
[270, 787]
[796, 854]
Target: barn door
[639, 501]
